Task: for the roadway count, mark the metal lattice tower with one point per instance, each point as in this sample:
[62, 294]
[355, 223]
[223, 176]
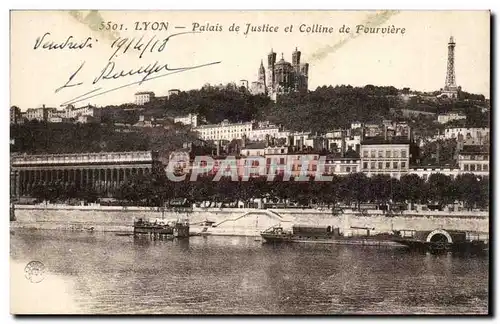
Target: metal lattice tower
[450, 72]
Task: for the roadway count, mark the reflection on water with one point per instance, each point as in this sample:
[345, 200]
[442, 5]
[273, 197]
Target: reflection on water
[105, 273]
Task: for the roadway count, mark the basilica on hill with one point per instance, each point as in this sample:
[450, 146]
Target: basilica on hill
[282, 76]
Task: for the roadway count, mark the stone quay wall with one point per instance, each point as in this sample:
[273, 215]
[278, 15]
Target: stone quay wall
[240, 221]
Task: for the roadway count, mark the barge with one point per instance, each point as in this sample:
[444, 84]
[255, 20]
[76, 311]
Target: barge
[328, 235]
[177, 228]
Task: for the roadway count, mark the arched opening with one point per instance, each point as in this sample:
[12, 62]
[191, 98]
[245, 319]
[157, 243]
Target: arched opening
[439, 238]
[329, 229]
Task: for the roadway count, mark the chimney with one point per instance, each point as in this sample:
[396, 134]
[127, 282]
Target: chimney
[385, 132]
[218, 148]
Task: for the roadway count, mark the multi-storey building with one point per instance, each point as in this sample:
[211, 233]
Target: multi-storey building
[223, 131]
[342, 164]
[385, 156]
[190, 119]
[262, 129]
[40, 114]
[445, 118]
[474, 159]
[144, 97]
[15, 115]
[479, 134]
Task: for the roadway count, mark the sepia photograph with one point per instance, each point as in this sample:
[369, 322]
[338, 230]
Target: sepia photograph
[326, 162]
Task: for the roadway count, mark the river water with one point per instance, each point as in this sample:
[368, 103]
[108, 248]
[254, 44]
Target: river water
[101, 273]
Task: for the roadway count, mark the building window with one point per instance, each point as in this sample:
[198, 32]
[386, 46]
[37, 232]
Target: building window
[396, 154]
[380, 165]
[347, 169]
[403, 165]
[388, 165]
[282, 160]
[372, 165]
[269, 161]
[365, 165]
[380, 154]
[388, 153]
[466, 167]
[485, 167]
[425, 177]
[395, 165]
[372, 153]
[353, 169]
[365, 153]
[403, 153]
[478, 167]
[473, 167]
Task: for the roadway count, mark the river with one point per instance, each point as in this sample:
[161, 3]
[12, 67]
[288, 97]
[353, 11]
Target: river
[101, 273]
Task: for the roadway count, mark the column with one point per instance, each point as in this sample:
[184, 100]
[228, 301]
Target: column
[81, 179]
[18, 182]
[106, 191]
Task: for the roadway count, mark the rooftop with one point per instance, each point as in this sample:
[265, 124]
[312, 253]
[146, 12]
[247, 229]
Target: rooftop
[382, 140]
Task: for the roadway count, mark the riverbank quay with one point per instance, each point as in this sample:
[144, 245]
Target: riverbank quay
[239, 221]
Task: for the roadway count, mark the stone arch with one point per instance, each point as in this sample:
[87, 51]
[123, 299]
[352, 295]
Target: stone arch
[439, 232]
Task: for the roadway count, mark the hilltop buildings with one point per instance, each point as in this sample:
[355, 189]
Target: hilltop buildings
[281, 76]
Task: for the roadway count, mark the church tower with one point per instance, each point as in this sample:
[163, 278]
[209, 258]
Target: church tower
[262, 73]
[296, 59]
[271, 62]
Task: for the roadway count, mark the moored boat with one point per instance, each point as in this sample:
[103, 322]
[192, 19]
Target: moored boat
[328, 235]
[441, 240]
[175, 228]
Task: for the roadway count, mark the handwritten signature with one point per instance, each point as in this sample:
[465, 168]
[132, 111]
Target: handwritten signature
[110, 71]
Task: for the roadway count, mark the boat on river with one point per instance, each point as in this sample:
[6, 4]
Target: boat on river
[328, 235]
[176, 228]
[442, 240]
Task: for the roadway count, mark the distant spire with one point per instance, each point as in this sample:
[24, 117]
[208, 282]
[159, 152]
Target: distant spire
[282, 56]
[451, 40]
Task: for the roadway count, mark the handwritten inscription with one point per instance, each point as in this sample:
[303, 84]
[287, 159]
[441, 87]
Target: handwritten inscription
[44, 42]
[146, 71]
[153, 43]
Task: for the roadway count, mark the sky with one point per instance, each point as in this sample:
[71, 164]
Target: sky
[415, 59]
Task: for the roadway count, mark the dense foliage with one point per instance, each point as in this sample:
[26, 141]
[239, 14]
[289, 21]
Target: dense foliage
[354, 189]
[38, 137]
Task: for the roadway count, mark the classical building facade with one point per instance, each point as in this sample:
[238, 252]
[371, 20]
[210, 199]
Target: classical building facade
[144, 97]
[282, 76]
[474, 159]
[223, 131]
[104, 171]
[390, 157]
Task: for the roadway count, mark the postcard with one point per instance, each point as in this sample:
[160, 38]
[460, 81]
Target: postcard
[249, 162]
